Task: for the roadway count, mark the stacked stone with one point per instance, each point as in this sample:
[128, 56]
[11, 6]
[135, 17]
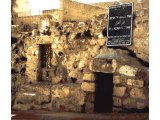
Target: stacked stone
[34, 96]
[88, 86]
[67, 97]
[130, 89]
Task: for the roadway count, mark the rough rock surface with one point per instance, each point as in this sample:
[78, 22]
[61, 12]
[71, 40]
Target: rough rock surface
[78, 50]
[67, 98]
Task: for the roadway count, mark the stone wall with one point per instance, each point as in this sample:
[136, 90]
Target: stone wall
[74, 11]
[75, 50]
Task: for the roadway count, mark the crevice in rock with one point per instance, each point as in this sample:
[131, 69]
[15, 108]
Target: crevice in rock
[73, 79]
[132, 54]
[23, 58]
[13, 40]
[60, 53]
[17, 60]
[104, 32]
[78, 36]
[23, 70]
[13, 71]
[87, 34]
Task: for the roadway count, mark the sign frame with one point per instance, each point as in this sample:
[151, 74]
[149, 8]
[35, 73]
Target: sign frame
[131, 30]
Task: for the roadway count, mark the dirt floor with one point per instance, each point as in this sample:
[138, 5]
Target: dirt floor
[45, 115]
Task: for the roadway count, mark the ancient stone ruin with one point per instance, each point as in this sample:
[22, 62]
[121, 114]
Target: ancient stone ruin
[68, 67]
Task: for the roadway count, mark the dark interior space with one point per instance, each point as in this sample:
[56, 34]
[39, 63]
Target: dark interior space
[45, 56]
[103, 92]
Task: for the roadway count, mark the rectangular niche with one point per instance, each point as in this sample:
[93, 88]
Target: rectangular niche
[45, 56]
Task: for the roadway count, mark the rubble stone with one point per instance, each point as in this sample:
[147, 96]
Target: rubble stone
[67, 97]
[117, 101]
[130, 103]
[128, 70]
[88, 87]
[32, 95]
[141, 105]
[89, 108]
[135, 83]
[138, 93]
[89, 77]
[119, 91]
[116, 79]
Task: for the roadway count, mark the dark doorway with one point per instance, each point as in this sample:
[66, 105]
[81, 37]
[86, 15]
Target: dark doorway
[103, 92]
[45, 56]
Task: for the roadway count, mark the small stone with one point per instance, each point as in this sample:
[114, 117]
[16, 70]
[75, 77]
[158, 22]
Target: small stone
[135, 83]
[56, 79]
[117, 101]
[116, 79]
[114, 64]
[130, 103]
[88, 87]
[81, 64]
[141, 105]
[137, 93]
[116, 109]
[89, 108]
[90, 98]
[128, 70]
[119, 91]
[89, 77]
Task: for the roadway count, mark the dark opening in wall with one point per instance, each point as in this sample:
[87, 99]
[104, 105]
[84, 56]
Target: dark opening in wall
[73, 79]
[87, 34]
[13, 40]
[104, 32]
[103, 92]
[23, 58]
[45, 56]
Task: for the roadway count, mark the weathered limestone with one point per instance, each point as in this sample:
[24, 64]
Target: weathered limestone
[116, 79]
[67, 97]
[128, 70]
[89, 108]
[138, 93]
[88, 87]
[31, 96]
[117, 101]
[102, 65]
[89, 77]
[141, 105]
[119, 91]
[135, 83]
[130, 103]
[75, 46]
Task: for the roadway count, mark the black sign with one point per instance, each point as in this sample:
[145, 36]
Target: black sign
[120, 25]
